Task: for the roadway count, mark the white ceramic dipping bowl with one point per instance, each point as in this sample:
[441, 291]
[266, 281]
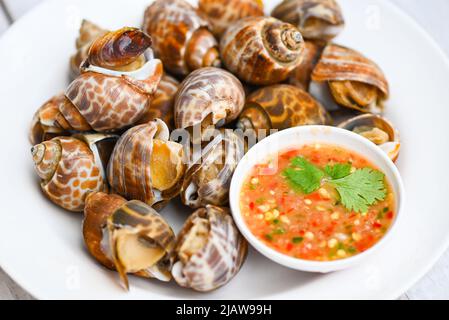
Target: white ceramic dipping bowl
[295, 138]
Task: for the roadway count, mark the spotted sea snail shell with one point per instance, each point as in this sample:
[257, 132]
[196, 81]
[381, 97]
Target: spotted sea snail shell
[162, 104]
[280, 107]
[209, 250]
[378, 130]
[181, 36]
[208, 96]
[352, 80]
[316, 19]
[261, 50]
[70, 168]
[207, 181]
[223, 13]
[146, 166]
[88, 33]
[128, 236]
[104, 99]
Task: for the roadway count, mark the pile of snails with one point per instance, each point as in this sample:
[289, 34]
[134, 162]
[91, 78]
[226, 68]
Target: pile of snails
[104, 146]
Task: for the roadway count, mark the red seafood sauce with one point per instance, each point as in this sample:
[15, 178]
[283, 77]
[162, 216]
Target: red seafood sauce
[315, 226]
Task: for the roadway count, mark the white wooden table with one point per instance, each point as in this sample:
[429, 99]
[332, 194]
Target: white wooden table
[433, 15]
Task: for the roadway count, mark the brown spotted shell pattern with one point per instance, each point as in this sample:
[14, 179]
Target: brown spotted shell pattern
[261, 50]
[316, 19]
[88, 33]
[208, 180]
[208, 96]
[146, 166]
[354, 81]
[71, 168]
[181, 36]
[103, 99]
[128, 236]
[281, 107]
[162, 104]
[223, 13]
[209, 250]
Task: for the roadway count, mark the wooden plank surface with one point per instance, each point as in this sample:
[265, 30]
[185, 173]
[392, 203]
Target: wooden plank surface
[433, 15]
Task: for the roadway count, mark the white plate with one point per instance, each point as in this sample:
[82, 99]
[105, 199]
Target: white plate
[41, 245]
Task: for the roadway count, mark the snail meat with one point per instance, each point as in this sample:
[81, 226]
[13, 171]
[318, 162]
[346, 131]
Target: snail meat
[181, 36]
[316, 19]
[261, 50]
[280, 107]
[378, 130]
[72, 167]
[223, 13]
[208, 96]
[128, 236]
[353, 80]
[162, 104]
[146, 166]
[208, 180]
[209, 250]
[88, 33]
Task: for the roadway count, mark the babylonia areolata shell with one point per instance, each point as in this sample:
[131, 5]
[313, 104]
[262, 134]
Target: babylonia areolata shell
[70, 168]
[378, 130]
[209, 250]
[146, 166]
[88, 33]
[316, 19]
[261, 50]
[354, 81]
[223, 13]
[208, 96]
[280, 107]
[162, 104]
[208, 180]
[181, 36]
[128, 236]
[104, 99]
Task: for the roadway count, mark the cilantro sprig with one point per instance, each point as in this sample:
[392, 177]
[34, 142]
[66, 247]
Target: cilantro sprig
[357, 190]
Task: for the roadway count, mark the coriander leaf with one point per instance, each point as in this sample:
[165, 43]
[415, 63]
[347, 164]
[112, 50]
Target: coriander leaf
[303, 175]
[361, 189]
[338, 171]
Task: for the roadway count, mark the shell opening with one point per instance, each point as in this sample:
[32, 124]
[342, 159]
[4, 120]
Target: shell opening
[195, 239]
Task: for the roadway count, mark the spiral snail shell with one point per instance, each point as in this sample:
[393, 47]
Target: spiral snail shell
[261, 50]
[280, 107]
[223, 13]
[128, 236]
[72, 167]
[209, 250]
[353, 80]
[104, 99]
[88, 33]
[316, 19]
[181, 36]
[378, 130]
[207, 181]
[208, 96]
[162, 104]
[146, 166]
